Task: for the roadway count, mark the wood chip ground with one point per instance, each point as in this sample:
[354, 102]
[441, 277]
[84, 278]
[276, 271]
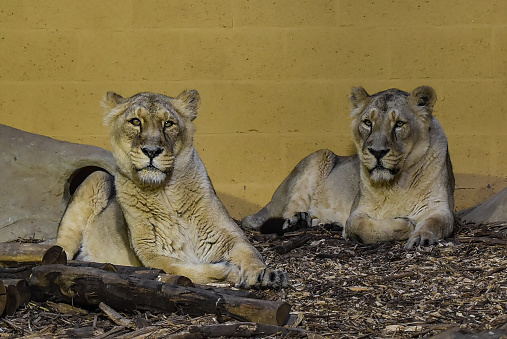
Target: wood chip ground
[339, 289]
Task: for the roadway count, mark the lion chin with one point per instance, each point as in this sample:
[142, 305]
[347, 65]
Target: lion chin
[381, 174]
[151, 176]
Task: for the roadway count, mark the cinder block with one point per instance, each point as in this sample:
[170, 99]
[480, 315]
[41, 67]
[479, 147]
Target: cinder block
[471, 107]
[472, 154]
[384, 13]
[182, 13]
[129, 55]
[271, 107]
[473, 189]
[499, 154]
[241, 159]
[419, 13]
[74, 14]
[13, 14]
[64, 110]
[441, 52]
[285, 13]
[338, 53]
[243, 200]
[258, 53]
[233, 54]
[37, 55]
[239, 107]
[500, 50]
[206, 54]
[299, 146]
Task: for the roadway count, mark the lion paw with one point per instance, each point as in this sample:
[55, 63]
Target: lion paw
[268, 278]
[298, 221]
[421, 238]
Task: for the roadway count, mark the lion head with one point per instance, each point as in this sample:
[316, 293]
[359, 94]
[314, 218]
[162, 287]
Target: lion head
[391, 129]
[148, 132]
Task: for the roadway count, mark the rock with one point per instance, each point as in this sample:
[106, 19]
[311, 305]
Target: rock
[39, 174]
[492, 210]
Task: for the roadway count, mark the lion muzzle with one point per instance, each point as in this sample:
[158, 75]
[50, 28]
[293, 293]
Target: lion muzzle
[152, 151]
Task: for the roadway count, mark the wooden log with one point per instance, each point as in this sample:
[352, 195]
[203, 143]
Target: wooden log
[13, 254]
[175, 280]
[139, 272]
[21, 286]
[255, 310]
[90, 286]
[3, 297]
[116, 317]
[22, 272]
[103, 266]
[13, 300]
[155, 274]
[289, 246]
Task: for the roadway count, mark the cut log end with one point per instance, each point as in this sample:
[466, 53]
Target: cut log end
[54, 255]
[3, 297]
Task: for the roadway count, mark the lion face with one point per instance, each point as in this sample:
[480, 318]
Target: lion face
[391, 129]
[149, 131]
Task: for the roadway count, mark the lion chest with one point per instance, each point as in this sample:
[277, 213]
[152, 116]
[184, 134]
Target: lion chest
[166, 224]
[397, 202]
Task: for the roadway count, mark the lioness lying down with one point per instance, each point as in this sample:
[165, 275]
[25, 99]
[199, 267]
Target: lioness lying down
[160, 208]
[399, 186]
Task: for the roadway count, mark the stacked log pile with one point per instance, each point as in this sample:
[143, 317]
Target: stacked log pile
[39, 272]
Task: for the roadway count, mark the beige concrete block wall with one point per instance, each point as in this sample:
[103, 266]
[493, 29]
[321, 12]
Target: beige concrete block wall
[274, 76]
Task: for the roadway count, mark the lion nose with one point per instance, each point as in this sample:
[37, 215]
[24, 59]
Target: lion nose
[378, 153]
[152, 151]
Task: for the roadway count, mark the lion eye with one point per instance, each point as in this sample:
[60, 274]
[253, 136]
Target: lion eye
[367, 122]
[399, 124]
[168, 124]
[135, 122]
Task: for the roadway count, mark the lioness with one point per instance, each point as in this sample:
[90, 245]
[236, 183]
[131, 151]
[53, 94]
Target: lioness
[399, 186]
[160, 209]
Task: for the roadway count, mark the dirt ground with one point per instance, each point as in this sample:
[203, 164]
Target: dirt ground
[339, 289]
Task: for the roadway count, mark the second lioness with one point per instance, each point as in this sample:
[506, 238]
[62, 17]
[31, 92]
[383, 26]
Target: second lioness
[399, 186]
[160, 209]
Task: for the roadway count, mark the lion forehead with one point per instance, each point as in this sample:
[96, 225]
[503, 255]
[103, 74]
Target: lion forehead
[385, 102]
[151, 102]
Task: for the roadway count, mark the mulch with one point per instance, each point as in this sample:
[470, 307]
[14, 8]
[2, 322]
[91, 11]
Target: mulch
[339, 289]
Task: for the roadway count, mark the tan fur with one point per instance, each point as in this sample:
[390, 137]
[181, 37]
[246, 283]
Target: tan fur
[172, 218]
[399, 186]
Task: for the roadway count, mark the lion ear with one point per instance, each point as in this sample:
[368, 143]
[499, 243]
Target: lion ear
[357, 96]
[110, 103]
[111, 100]
[423, 99]
[187, 103]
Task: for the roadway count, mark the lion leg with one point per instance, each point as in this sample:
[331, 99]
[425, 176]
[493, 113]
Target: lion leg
[294, 195]
[253, 271]
[89, 200]
[256, 220]
[367, 230]
[200, 273]
[428, 231]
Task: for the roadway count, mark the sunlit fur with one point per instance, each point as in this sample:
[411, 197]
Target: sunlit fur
[399, 185]
[160, 202]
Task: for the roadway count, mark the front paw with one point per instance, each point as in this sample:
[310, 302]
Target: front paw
[298, 221]
[222, 271]
[267, 278]
[421, 238]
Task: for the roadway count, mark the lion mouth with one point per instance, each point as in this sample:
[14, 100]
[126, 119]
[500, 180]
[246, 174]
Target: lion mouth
[151, 175]
[380, 167]
[151, 167]
[148, 168]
